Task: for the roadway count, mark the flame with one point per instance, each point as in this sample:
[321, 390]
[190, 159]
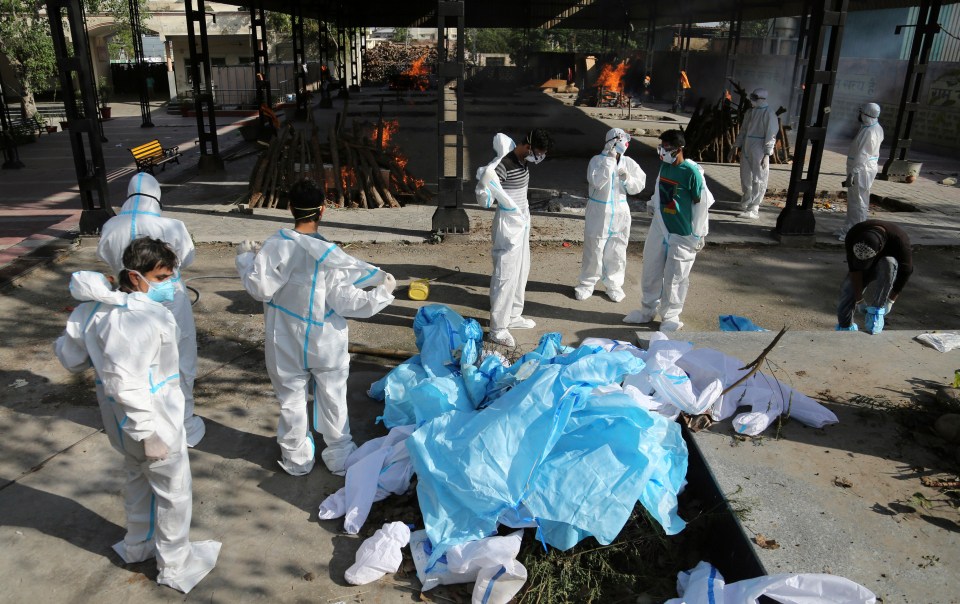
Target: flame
[727, 95]
[349, 177]
[417, 68]
[611, 77]
[389, 129]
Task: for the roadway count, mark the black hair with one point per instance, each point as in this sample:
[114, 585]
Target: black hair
[143, 255]
[538, 138]
[673, 138]
[306, 201]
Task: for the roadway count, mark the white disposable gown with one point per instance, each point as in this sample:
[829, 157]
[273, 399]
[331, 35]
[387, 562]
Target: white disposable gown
[667, 261]
[130, 342]
[862, 169]
[141, 216]
[757, 138]
[309, 288]
[606, 230]
[511, 239]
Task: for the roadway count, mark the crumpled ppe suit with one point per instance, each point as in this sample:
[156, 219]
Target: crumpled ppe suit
[130, 341]
[703, 584]
[382, 553]
[667, 261]
[757, 140]
[309, 287]
[377, 469]
[862, 166]
[606, 230]
[489, 562]
[511, 238]
[141, 216]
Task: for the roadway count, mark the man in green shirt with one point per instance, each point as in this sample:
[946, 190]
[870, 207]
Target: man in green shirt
[680, 224]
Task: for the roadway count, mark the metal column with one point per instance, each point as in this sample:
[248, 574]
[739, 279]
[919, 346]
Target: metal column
[733, 44]
[137, 32]
[800, 63]
[826, 34]
[325, 76]
[76, 80]
[684, 59]
[261, 60]
[210, 160]
[648, 58]
[926, 28]
[342, 59]
[299, 61]
[450, 217]
[354, 60]
[11, 155]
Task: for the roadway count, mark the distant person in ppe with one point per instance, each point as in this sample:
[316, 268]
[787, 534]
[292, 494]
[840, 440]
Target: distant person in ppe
[877, 252]
[129, 337]
[757, 140]
[141, 216]
[505, 180]
[862, 160]
[611, 176]
[309, 288]
[679, 227]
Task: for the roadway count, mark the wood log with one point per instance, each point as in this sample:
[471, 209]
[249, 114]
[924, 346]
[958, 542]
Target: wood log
[335, 160]
[383, 188]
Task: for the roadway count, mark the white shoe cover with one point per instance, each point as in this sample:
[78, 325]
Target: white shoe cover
[671, 325]
[749, 214]
[522, 323]
[639, 317]
[195, 430]
[380, 554]
[136, 553]
[582, 293]
[503, 338]
[203, 557]
[616, 295]
[335, 457]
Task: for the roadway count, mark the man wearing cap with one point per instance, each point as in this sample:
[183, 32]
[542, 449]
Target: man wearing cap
[756, 141]
[862, 166]
[876, 251]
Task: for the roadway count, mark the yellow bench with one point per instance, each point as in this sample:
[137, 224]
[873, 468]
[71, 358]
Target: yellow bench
[150, 155]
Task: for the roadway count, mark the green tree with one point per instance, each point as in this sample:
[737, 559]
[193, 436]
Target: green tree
[120, 45]
[400, 34]
[25, 40]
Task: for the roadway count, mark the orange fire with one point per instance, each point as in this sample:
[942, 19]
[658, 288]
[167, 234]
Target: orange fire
[417, 68]
[349, 178]
[611, 77]
[727, 95]
[389, 129]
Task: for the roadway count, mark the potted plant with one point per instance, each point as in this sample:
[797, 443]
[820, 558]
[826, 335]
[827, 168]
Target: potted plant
[64, 124]
[104, 90]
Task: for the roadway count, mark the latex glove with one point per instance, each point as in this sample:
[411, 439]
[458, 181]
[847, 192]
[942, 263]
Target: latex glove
[888, 306]
[155, 449]
[768, 150]
[389, 283]
[247, 246]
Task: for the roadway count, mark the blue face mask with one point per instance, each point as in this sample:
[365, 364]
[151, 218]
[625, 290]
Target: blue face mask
[159, 292]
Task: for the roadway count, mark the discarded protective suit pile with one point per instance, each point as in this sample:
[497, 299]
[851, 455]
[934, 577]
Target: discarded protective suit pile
[550, 441]
[677, 377]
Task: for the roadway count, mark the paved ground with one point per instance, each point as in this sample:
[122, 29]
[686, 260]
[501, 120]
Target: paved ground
[62, 506]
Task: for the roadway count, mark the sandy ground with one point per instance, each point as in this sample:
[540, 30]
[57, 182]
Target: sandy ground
[64, 508]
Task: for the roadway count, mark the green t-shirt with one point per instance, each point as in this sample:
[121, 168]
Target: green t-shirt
[679, 186]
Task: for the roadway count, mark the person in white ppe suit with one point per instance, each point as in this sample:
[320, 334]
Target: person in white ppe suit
[756, 140]
[309, 287]
[680, 224]
[606, 231]
[862, 160]
[505, 180]
[129, 338]
[141, 216]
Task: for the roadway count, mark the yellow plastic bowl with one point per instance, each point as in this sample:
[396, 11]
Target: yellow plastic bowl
[419, 289]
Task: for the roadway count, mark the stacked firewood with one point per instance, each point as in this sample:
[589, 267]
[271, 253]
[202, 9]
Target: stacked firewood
[611, 98]
[388, 59]
[354, 170]
[712, 131]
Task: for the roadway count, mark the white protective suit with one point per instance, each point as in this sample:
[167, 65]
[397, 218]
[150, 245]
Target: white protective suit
[511, 238]
[309, 287]
[606, 230]
[141, 216]
[756, 140]
[667, 261]
[130, 341]
[862, 166]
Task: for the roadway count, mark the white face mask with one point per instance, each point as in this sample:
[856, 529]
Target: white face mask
[620, 147]
[667, 157]
[535, 158]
